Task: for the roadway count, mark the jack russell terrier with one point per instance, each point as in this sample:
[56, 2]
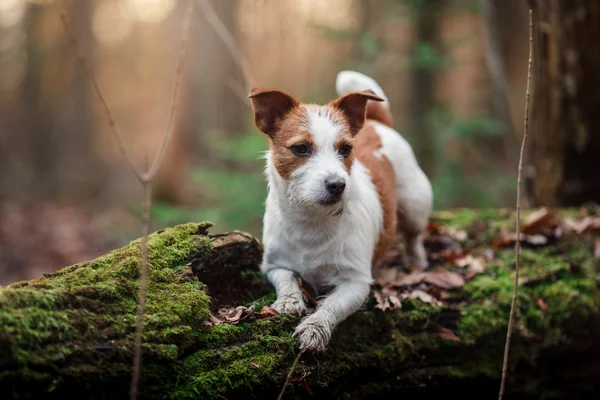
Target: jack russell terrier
[341, 182]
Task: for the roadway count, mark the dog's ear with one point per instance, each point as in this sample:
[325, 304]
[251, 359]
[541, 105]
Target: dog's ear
[270, 106]
[354, 107]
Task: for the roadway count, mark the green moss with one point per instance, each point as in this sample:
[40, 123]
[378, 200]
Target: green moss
[92, 305]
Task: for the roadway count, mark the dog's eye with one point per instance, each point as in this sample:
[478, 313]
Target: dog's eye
[301, 150]
[345, 150]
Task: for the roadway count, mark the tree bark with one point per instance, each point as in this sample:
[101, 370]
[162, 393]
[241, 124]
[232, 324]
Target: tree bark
[71, 332]
[565, 146]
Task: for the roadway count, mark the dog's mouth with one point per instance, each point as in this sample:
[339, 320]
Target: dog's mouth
[330, 200]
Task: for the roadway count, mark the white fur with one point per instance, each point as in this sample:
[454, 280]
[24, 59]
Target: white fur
[352, 81]
[306, 186]
[332, 246]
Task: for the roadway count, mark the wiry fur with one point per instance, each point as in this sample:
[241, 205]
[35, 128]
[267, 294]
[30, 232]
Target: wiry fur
[332, 246]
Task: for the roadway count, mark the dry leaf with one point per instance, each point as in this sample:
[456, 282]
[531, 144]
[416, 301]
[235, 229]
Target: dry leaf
[542, 304]
[421, 295]
[215, 320]
[511, 238]
[255, 364]
[445, 279]
[447, 334]
[476, 267]
[386, 277]
[541, 221]
[395, 301]
[267, 312]
[414, 278]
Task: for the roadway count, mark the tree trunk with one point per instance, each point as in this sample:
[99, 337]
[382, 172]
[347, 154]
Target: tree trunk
[565, 145]
[71, 332]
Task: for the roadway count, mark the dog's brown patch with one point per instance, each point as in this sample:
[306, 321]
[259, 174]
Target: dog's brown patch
[292, 130]
[367, 144]
[379, 112]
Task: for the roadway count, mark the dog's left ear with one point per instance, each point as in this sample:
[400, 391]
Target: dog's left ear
[354, 107]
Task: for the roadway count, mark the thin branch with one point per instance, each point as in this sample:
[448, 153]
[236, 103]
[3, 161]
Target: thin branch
[137, 356]
[144, 177]
[185, 33]
[111, 121]
[227, 38]
[518, 243]
[289, 375]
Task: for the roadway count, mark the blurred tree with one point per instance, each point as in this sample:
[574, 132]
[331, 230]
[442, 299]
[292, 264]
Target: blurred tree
[219, 82]
[564, 152]
[426, 58]
[52, 153]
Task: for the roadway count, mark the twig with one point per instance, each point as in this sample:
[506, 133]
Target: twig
[145, 178]
[227, 38]
[289, 375]
[185, 33]
[518, 243]
[111, 121]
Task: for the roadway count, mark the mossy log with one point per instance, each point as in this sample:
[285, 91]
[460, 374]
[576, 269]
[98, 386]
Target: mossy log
[71, 332]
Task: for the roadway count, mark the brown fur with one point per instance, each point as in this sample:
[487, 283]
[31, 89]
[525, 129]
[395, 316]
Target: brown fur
[382, 174]
[289, 134]
[379, 112]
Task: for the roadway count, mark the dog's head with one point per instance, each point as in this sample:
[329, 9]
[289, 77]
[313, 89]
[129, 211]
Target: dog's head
[311, 145]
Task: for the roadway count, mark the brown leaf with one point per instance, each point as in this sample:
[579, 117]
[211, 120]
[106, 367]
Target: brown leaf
[414, 278]
[447, 334]
[387, 299]
[542, 221]
[421, 295]
[255, 364]
[432, 227]
[232, 314]
[267, 312]
[382, 303]
[386, 277]
[444, 279]
[395, 301]
[542, 304]
[215, 320]
[597, 248]
[511, 238]
[477, 266]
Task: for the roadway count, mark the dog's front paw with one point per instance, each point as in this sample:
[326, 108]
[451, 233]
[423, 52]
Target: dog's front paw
[313, 334]
[290, 304]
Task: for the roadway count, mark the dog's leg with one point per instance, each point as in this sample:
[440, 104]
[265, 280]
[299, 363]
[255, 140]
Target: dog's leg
[417, 257]
[290, 299]
[315, 330]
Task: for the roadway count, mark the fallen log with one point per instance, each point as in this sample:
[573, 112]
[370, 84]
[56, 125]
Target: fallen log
[71, 332]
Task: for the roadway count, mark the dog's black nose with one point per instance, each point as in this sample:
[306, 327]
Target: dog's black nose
[335, 186]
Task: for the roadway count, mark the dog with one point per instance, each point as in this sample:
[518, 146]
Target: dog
[341, 183]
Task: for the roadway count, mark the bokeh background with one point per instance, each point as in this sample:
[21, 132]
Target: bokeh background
[454, 70]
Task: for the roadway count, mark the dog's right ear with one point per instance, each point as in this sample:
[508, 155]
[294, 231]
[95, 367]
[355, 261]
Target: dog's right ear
[270, 106]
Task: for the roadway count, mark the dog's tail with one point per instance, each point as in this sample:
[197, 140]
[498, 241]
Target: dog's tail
[352, 81]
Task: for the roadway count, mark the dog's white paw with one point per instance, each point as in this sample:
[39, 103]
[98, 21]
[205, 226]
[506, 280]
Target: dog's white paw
[290, 304]
[313, 333]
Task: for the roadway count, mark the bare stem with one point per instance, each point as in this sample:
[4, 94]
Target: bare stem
[289, 375]
[518, 243]
[111, 121]
[145, 177]
[185, 33]
[227, 38]
[137, 356]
